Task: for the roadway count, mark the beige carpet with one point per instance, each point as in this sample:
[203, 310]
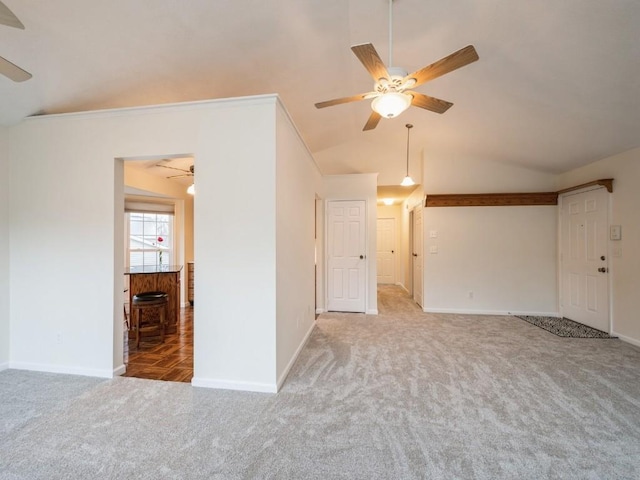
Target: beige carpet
[401, 395]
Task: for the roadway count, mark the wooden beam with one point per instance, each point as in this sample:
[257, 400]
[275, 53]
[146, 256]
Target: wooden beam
[508, 199]
[605, 182]
[491, 199]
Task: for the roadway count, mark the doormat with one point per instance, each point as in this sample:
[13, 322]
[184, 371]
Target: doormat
[563, 327]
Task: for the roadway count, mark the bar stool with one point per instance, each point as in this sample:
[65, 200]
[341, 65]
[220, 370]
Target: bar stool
[154, 302]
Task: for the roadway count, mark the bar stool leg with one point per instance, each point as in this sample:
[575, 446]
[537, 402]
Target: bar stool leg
[162, 323]
[138, 323]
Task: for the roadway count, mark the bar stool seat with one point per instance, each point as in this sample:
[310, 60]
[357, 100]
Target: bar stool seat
[154, 302]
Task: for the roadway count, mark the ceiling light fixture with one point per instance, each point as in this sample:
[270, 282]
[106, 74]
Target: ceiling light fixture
[408, 181]
[387, 201]
[192, 189]
[391, 104]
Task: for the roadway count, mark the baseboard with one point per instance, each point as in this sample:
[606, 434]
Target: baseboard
[372, 311]
[63, 369]
[4, 366]
[320, 310]
[294, 357]
[626, 339]
[121, 370]
[459, 311]
[233, 385]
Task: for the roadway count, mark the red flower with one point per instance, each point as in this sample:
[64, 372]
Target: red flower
[160, 239]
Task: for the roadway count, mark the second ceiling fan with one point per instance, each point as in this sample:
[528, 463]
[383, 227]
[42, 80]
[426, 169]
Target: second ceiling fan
[393, 88]
[8, 69]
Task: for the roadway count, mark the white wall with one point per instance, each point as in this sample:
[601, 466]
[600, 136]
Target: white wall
[4, 252]
[491, 260]
[360, 187]
[625, 201]
[506, 256]
[298, 183]
[65, 243]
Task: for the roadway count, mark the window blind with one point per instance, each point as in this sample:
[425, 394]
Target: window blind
[145, 206]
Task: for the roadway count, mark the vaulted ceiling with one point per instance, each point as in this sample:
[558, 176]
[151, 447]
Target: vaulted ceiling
[557, 84]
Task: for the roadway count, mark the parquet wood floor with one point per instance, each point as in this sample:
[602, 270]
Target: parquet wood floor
[171, 360]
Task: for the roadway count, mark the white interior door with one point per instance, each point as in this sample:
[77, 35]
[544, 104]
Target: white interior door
[346, 259]
[583, 255]
[416, 255]
[386, 250]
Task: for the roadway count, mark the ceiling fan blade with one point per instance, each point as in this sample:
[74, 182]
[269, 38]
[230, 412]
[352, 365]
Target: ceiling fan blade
[12, 71]
[172, 168]
[371, 60]
[429, 103]
[338, 101]
[452, 62]
[372, 123]
[8, 18]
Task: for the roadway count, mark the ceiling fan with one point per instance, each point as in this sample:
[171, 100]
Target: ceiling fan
[186, 173]
[7, 68]
[393, 88]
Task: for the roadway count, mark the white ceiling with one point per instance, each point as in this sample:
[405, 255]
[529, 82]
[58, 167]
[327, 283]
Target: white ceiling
[557, 84]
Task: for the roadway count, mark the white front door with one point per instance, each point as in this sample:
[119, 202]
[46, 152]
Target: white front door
[583, 256]
[386, 240]
[416, 255]
[346, 257]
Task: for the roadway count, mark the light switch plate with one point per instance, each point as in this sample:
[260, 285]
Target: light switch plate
[615, 232]
[433, 249]
[433, 234]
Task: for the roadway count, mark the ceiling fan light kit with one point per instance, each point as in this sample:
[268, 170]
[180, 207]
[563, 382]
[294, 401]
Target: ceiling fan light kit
[391, 104]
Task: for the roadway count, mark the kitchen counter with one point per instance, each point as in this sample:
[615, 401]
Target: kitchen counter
[152, 278]
[153, 269]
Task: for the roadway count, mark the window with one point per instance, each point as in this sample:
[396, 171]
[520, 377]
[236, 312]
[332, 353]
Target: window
[150, 239]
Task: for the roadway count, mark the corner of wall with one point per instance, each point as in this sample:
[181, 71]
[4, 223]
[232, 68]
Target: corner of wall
[4, 252]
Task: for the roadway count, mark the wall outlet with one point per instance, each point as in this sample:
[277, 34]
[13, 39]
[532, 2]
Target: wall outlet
[59, 338]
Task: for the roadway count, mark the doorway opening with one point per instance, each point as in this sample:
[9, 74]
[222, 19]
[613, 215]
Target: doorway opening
[157, 241]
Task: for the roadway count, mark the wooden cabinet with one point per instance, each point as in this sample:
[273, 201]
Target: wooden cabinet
[190, 282]
[168, 281]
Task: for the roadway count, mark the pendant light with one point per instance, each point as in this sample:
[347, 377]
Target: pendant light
[408, 181]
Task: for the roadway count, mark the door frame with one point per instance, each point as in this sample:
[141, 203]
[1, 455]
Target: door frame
[410, 254]
[326, 249]
[420, 233]
[561, 200]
